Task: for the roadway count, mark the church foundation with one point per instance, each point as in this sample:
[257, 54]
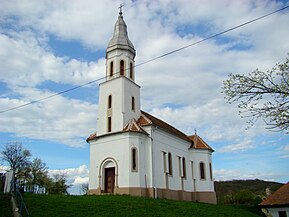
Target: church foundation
[204, 197]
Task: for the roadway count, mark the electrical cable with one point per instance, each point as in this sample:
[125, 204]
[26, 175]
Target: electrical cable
[53, 95]
[212, 36]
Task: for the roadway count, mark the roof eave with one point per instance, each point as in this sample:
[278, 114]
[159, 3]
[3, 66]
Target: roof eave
[114, 133]
[273, 205]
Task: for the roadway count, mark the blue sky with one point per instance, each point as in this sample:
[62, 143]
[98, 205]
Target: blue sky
[50, 46]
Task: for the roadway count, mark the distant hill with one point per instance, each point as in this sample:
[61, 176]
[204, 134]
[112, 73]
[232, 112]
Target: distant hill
[255, 186]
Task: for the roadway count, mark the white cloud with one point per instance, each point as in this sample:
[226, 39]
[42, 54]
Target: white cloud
[225, 174]
[71, 172]
[286, 148]
[4, 169]
[239, 147]
[284, 156]
[25, 62]
[75, 177]
[67, 20]
[59, 119]
[284, 152]
[80, 180]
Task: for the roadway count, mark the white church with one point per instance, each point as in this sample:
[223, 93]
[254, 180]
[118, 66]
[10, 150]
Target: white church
[135, 153]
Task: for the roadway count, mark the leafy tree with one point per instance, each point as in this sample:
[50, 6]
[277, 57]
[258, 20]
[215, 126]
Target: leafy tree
[37, 176]
[57, 184]
[32, 176]
[18, 159]
[262, 95]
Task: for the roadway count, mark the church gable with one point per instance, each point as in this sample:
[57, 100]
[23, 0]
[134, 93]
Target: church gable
[199, 143]
[133, 126]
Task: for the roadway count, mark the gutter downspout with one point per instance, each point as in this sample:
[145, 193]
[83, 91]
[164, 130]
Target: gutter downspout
[155, 193]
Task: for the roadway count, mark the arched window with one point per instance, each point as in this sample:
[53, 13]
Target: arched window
[109, 124]
[121, 66]
[134, 159]
[184, 167]
[131, 70]
[111, 69]
[211, 171]
[170, 162]
[109, 101]
[132, 103]
[202, 170]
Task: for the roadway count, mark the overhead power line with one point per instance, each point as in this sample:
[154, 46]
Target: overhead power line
[150, 60]
[212, 36]
[51, 96]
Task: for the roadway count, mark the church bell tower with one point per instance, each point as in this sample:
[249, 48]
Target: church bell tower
[119, 95]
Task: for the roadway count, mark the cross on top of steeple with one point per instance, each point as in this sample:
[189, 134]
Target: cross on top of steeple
[120, 9]
[120, 38]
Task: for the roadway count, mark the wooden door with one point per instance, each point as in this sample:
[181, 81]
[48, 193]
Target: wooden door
[109, 179]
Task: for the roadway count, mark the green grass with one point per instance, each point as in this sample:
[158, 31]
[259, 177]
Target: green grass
[114, 205]
[5, 205]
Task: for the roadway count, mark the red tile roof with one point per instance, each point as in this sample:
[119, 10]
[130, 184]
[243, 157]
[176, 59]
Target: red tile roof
[278, 198]
[91, 137]
[199, 143]
[133, 126]
[147, 119]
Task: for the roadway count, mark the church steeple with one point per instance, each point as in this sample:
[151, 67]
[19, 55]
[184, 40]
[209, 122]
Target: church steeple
[120, 52]
[120, 38]
[119, 95]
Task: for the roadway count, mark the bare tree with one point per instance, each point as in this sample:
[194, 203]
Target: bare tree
[17, 157]
[262, 95]
[84, 188]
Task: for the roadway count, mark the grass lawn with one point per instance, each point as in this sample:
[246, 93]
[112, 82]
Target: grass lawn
[114, 205]
[5, 205]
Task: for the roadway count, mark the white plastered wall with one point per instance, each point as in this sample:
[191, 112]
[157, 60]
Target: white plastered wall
[122, 90]
[197, 156]
[275, 211]
[164, 142]
[116, 56]
[118, 147]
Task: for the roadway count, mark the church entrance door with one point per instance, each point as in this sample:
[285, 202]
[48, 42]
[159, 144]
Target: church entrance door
[109, 179]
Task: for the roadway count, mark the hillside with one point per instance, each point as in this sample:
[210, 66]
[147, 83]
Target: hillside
[116, 205]
[256, 186]
[5, 205]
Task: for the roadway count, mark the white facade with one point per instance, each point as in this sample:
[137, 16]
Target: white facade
[135, 153]
[121, 90]
[276, 211]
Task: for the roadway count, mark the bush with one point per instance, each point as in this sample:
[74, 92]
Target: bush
[241, 197]
[244, 197]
